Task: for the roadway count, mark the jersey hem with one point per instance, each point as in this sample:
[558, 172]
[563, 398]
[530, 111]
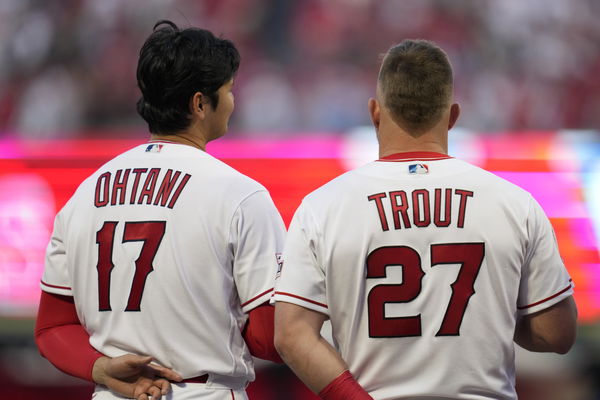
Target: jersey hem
[257, 300]
[548, 301]
[55, 289]
[301, 301]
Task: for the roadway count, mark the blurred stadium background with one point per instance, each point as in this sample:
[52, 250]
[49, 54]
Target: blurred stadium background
[527, 77]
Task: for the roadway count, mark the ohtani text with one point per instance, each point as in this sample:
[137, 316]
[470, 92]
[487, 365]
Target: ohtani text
[424, 206]
[140, 186]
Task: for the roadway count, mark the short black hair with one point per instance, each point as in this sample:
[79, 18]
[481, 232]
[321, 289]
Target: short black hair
[173, 65]
[416, 83]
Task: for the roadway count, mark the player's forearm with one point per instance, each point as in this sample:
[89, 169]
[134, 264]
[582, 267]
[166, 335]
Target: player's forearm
[61, 338]
[298, 339]
[551, 330]
[67, 348]
[525, 338]
[529, 340]
[311, 358]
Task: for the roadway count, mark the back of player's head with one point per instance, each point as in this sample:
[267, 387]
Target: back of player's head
[415, 82]
[173, 65]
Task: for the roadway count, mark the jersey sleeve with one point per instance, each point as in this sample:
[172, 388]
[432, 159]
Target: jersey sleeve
[56, 277]
[257, 235]
[544, 278]
[302, 277]
[61, 338]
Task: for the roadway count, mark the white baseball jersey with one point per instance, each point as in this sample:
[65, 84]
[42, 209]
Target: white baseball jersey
[165, 250]
[423, 264]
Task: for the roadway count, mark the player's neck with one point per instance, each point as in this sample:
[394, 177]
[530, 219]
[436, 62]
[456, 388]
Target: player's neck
[395, 143]
[394, 139]
[388, 151]
[182, 138]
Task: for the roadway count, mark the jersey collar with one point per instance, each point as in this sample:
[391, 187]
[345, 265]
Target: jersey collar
[163, 141]
[415, 156]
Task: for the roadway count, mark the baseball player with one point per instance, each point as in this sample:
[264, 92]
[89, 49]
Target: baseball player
[429, 268]
[165, 253]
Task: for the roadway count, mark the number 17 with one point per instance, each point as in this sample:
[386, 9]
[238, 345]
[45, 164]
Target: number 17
[149, 232]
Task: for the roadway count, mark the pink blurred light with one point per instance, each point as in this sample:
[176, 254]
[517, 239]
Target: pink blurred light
[557, 192]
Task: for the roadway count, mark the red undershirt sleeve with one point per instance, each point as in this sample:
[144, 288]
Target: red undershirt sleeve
[259, 333]
[61, 339]
[344, 387]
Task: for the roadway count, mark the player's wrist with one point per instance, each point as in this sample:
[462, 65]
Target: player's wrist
[344, 387]
[99, 374]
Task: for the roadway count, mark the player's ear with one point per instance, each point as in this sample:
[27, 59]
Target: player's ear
[374, 112]
[454, 113]
[196, 105]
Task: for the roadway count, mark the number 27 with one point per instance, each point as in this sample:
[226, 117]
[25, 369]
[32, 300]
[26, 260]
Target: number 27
[468, 255]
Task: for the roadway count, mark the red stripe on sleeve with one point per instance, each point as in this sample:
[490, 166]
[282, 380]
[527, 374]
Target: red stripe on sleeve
[546, 299]
[256, 297]
[55, 286]
[302, 298]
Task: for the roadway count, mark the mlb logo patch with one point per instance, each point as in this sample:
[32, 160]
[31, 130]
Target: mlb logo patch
[418, 169]
[279, 259]
[154, 148]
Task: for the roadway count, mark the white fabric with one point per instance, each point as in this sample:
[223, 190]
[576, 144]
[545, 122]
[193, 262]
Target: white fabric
[190, 391]
[216, 260]
[504, 237]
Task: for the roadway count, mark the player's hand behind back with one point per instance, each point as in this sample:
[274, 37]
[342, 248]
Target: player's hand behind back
[134, 376]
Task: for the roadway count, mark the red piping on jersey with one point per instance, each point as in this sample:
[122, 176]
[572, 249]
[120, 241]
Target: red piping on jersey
[56, 287]
[302, 298]
[547, 298]
[256, 297]
[232, 396]
[415, 156]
